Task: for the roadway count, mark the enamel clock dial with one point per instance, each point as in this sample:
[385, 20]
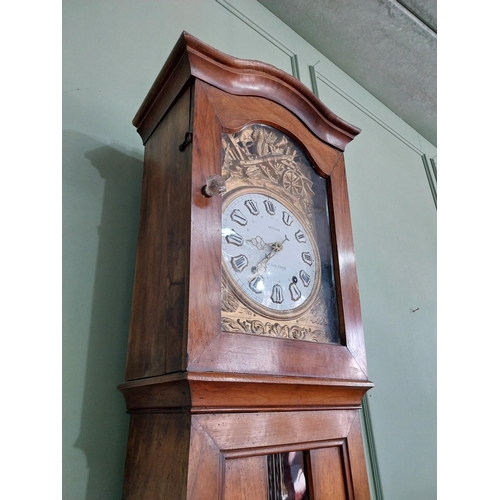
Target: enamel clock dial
[269, 253]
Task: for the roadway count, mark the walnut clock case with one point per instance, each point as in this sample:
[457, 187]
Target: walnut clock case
[246, 361]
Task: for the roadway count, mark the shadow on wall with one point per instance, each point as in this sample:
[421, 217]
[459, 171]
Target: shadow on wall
[104, 423]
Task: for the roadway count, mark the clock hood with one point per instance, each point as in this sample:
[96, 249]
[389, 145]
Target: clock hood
[191, 58]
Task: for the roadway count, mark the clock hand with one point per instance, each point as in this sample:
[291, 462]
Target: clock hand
[259, 243]
[275, 248]
[278, 246]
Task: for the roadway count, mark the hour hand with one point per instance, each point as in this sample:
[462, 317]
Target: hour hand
[259, 243]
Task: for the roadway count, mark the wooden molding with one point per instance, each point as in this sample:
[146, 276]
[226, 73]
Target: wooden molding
[431, 173]
[294, 60]
[203, 392]
[193, 58]
[317, 75]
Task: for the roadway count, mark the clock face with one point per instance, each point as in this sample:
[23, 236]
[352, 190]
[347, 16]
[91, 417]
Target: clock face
[268, 253]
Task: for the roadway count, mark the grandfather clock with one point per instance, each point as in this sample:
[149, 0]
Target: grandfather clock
[246, 360]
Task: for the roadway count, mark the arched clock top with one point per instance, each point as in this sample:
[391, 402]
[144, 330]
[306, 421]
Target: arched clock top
[191, 58]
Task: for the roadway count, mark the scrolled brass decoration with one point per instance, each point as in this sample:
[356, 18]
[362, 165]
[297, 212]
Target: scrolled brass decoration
[257, 327]
[230, 302]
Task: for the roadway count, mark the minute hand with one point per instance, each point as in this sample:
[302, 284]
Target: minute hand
[263, 263]
[275, 248]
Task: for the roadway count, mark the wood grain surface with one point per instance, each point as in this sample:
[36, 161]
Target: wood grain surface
[151, 472]
[157, 326]
[327, 474]
[206, 214]
[245, 478]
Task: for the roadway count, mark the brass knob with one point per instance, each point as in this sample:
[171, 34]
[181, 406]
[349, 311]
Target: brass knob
[215, 185]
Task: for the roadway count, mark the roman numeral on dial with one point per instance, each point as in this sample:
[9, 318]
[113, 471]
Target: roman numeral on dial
[306, 279]
[257, 284]
[277, 294]
[300, 236]
[238, 217]
[287, 218]
[270, 207]
[235, 239]
[295, 292]
[239, 262]
[252, 206]
[307, 258]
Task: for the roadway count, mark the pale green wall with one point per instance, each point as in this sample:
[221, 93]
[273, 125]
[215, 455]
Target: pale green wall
[112, 51]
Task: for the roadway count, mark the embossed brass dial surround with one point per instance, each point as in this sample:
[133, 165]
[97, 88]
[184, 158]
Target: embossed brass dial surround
[262, 159]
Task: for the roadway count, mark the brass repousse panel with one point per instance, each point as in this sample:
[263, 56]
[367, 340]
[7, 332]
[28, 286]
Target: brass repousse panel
[261, 161]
